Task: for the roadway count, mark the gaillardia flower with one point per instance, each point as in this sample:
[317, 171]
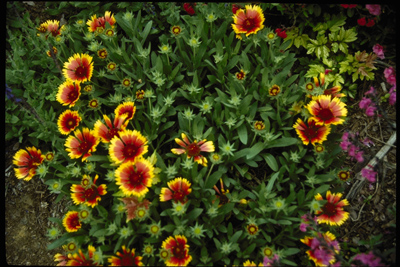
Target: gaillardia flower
[249, 22]
[132, 204]
[135, 177]
[68, 93]
[334, 91]
[128, 146]
[344, 175]
[79, 68]
[323, 248]
[274, 90]
[107, 132]
[240, 75]
[81, 260]
[27, 162]
[178, 190]
[194, 149]
[83, 144]
[102, 53]
[176, 30]
[71, 221]
[68, 121]
[311, 133]
[126, 258]
[221, 195]
[128, 108]
[332, 212]
[100, 22]
[89, 194]
[54, 51]
[327, 110]
[179, 251]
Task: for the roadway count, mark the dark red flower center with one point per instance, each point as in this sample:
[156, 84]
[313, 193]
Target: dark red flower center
[73, 95]
[91, 193]
[113, 132]
[135, 179]
[329, 209]
[325, 114]
[74, 222]
[84, 147]
[249, 24]
[129, 151]
[178, 195]
[127, 260]
[193, 149]
[80, 72]
[179, 251]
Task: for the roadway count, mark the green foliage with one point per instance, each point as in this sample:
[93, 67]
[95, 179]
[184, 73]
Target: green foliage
[201, 86]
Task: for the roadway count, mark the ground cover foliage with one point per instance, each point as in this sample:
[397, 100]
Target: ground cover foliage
[197, 133]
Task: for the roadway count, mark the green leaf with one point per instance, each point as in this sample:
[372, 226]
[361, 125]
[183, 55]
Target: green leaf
[235, 236]
[59, 242]
[242, 132]
[255, 150]
[213, 179]
[322, 189]
[282, 142]
[194, 214]
[271, 161]
[102, 211]
[271, 182]
[98, 158]
[146, 31]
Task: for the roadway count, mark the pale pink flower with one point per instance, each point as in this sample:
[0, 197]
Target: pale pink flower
[378, 50]
[392, 97]
[368, 174]
[374, 9]
[390, 75]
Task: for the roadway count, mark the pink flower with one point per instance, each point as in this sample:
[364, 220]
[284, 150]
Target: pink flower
[359, 156]
[374, 9]
[368, 174]
[271, 262]
[392, 97]
[371, 91]
[368, 259]
[370, 111]
[364, 103]
[390, 75]
[352, 150]
[378, 50]
[344, 145]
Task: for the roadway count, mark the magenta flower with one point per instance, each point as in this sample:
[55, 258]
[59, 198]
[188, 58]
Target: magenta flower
[368, 174]
[374, 9]
[392, 97]
[364, 103]
[368, 259]
[359, 156]
[371, 91]
[378, 50]
[390, 75]
[370, 111]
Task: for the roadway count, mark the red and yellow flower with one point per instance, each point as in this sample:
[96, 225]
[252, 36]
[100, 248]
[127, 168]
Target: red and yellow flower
[71, 221]
[179, 251]
[68, 121]
[249, 21]
[321, 254]
[332, 211]
[51, 26]
[68, 93]
[223, 199]
[102, 53]
[128, 146]
[176, 30]
[344, 175]
[27, 160]
[327, 110]
[252, 229]
[54, 51]
[79, 68]
[128, 108]
[79, 259]
[132, 204]
[311, 133]
[93, 103]
[240, 75]
[274, 90]
[135, 177]
[106, 132]
[194, 149]
[259, 125]
[89, 194]
[178, 190]
[100, 22]
[334, 91]
[139, 94]
[83, 144]
[126, 258]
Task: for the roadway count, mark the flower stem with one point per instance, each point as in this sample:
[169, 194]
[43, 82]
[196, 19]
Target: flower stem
[212, 165]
